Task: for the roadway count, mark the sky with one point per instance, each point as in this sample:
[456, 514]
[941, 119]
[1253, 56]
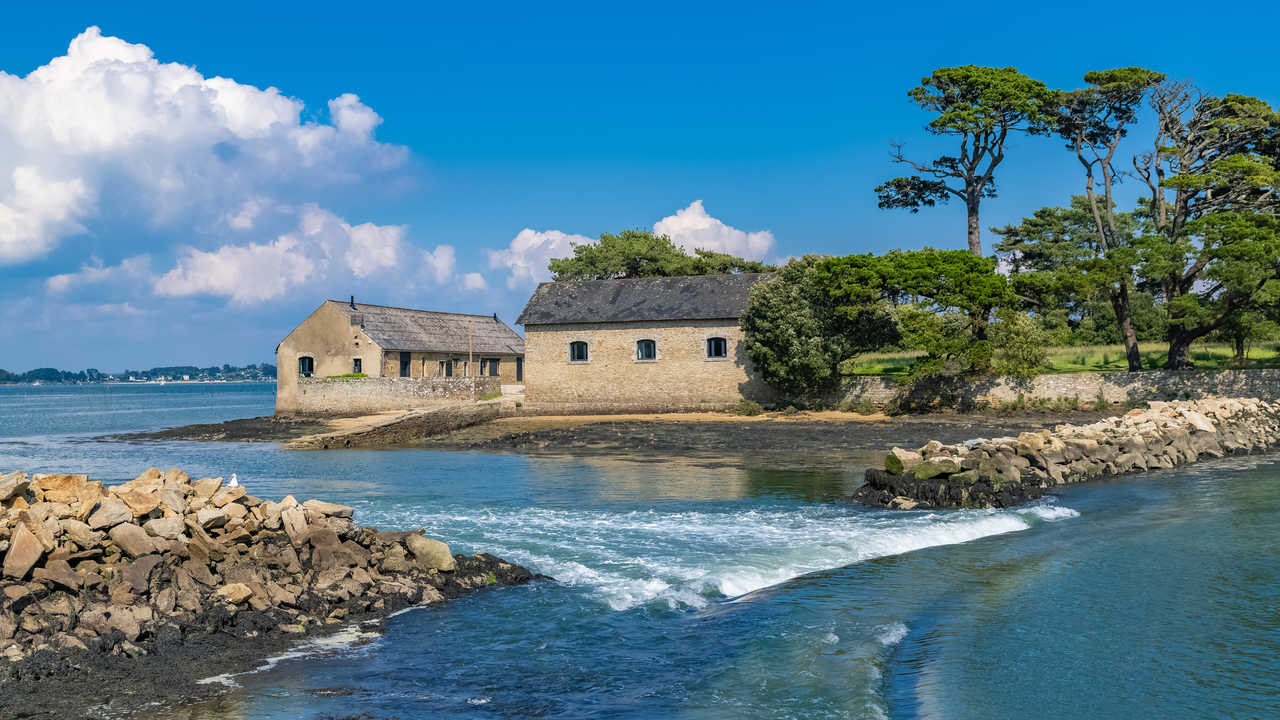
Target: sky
[183, 185]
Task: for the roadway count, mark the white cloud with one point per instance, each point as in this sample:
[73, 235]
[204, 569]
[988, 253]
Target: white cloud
[36, 211]
[474, 281]
[132, 269]
[322, 247]
[245, 274]
[526, 258]
[108, 126]
[693, 229]
[438, 265]
[373, 247]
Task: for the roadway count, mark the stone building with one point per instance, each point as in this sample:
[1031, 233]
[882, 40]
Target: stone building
[644, 344]
[350, 338]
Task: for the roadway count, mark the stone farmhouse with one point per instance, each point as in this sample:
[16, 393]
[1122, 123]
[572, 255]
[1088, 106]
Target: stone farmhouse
[643, 344]
[409, 358]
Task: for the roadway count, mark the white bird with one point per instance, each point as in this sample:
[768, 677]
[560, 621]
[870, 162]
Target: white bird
[234, 482]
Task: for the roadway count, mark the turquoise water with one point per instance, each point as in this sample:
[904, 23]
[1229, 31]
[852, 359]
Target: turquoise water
[694, 592]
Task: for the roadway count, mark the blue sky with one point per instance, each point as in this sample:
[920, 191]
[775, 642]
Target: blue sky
[151, 215]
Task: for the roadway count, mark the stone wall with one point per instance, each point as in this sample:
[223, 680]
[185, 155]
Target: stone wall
[1002, 472]
[612, 379]
[1118, 387]
[354, 396]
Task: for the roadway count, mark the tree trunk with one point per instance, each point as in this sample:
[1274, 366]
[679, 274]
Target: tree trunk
[1239, 341]
[1124, 320]
[975, 229]
[1179, 350]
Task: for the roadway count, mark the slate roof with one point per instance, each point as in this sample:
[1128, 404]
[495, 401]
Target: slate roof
[694, 297]
[394, 328]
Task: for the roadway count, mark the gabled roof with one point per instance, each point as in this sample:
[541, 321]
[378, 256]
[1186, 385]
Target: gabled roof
[693, 297]
[394, 328]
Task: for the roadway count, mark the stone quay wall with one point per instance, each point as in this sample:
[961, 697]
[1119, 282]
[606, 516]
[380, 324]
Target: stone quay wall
[357, 396]
[1007, 471]
[1084, 388]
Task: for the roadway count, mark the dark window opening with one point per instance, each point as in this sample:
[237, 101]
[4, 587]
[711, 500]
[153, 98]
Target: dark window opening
[357, 366]
[446, 368]
[717, 348]
[493, 367]
[306, 366]
[577, 351]
[404, 364]
[519, 369]
[646, 350]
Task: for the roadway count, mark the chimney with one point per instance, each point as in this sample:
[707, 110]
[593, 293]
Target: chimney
[495, 318]
[353, 302]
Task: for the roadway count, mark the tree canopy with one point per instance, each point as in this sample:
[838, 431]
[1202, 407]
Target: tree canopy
[640, 253]
[981, 106]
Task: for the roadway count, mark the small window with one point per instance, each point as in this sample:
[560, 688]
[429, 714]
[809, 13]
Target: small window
[717, 347]
[357, 366]
[306, 366]
[493, 368]
[577, 351]
[646, 350]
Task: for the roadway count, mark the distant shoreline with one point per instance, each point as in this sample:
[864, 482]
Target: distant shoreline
[140, 382]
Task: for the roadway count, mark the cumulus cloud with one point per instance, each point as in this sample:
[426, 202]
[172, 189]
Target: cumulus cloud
[322, 247]
[36, 211]
[95, 273]
[526, 258]
[438, 265]
[474, 281]
[107, 125]
[693, 229]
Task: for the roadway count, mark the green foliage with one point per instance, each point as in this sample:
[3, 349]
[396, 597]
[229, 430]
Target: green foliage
[980, 106]
[747, 408]
[640, 253]
[796, 332]
[348, 375]
[1019, 345]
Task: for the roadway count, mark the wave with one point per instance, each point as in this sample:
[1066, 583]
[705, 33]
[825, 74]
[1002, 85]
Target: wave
[691, 559]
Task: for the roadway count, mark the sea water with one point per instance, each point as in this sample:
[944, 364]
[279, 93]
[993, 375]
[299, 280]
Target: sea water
[694, 591]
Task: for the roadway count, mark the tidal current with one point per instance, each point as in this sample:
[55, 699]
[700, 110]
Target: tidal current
[699, 590]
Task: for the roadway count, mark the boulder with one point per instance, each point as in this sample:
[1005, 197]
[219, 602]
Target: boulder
[110, 512]
[396, 560]
[938, 465]
[900, 461]
[326, 509]
[226, 495]
[294, 520]
[140, 503]
[13, 484]
[169, 528]
[211, 518]
[430, 554]
[60, 488]
[80, 533]
[132, 539]
[24, 552]
[206, 487]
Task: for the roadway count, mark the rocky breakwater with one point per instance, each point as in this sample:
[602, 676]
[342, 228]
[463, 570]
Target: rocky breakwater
[189, 578]
[1010, 470]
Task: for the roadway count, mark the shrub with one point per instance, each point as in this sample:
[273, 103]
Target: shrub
[790, 410]
[747, 408]
[1019, 345]
[348, 375]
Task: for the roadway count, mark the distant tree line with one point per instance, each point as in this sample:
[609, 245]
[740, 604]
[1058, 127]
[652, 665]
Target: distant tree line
[263, 371]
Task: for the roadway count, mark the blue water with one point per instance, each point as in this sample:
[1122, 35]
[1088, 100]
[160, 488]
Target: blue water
[695, 592]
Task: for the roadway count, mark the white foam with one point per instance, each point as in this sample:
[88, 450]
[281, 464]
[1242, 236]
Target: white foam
[687, 559]
[892, 634]
[342, 639]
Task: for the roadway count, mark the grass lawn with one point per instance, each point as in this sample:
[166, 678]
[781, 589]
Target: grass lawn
[1091, 358]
